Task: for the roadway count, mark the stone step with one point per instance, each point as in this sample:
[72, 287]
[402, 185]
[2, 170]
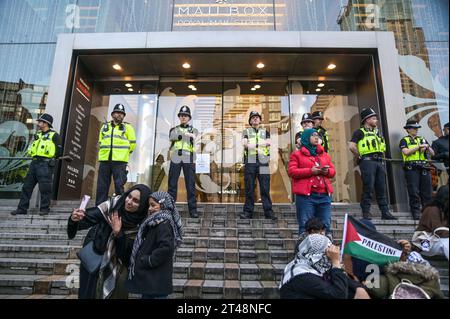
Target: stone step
[29, 266]
[38, 251]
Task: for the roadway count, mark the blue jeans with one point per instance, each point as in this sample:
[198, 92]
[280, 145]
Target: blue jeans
[316, 205]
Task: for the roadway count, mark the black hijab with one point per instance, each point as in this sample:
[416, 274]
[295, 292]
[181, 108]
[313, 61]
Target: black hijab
[132, 220]
[129, 220]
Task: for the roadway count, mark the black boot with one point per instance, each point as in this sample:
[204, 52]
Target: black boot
[367, 215]
[271, 216]
[193, 214]
[245, 215]
[18, 212]
[388, 216]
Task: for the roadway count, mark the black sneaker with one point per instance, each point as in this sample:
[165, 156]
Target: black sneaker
[44, 212]
[18, 212]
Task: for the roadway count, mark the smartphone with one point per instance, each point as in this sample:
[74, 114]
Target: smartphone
[84, 202]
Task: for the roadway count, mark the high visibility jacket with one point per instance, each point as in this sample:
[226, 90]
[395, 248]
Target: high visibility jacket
[43, 145]
[116, 142]
[371, 143]
[255, 137]
[181, 144]
[325, 138]
[412, 143]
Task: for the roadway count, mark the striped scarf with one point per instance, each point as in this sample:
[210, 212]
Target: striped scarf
[169, 213]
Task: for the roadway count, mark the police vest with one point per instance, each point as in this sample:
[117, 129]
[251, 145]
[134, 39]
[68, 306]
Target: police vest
[184, 145]
[116, 142]
[254, 137]
[371, 143]
[412, 143]
[325, 138]
[43, 145]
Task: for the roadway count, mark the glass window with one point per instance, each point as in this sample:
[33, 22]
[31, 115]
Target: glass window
[31, 21]
[24, 78]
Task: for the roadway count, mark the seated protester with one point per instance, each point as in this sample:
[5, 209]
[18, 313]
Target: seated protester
[316, 273]
[314, 225]
[416, 270]
[112, 228]
[151, 268]
[435, 215]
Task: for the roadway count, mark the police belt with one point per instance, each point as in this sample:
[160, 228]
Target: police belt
[372, 157]
[42, 159]
[416, 165]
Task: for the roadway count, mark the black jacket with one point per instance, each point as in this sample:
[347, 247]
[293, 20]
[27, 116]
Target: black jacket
[440, 147]
[154, 262]
[334, 285]
[99, 233]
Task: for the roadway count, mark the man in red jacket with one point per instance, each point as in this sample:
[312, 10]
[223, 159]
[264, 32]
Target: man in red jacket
[311, 169]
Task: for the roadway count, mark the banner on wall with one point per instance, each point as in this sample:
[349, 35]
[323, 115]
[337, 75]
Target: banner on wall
[71, 178]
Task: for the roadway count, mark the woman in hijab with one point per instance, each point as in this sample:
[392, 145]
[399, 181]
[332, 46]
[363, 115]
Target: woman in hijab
[316, 273]
[151, 268]
[311, 168]
[112, 228]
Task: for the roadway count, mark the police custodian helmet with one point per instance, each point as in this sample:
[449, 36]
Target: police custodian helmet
[366, 113]
[46, 118]
[307, 117]
[119, 108]
[317, 115]
[185, 110]
[252, 114]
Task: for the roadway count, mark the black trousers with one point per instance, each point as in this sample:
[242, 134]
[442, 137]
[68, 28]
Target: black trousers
[420, 189]
[253, 171]
[118, 170]
[40, 172]
[189, 178]
[373, 174]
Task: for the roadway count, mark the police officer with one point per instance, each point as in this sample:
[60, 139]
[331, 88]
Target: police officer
[317, 117]
[45, 149]
[117, 140]
[307, 122]
[418, 178]
[369, 146]
[440, 147]
[182, 151]
[256, 142]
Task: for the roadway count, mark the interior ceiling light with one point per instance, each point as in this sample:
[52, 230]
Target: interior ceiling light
[257, 86]
[194, 89]
[186, 65]
[253, 89]
[322, 78]
[129, 85]
[260, 65]
[117, 67]
[331, 66]
[130, 90]
[321, 85]
[318, 90]
[191, 86]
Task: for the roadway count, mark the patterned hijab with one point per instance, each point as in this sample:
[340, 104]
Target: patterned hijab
[311, 258]
[169, 213]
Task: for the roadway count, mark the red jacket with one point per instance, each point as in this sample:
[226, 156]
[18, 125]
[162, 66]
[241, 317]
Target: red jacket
[300, 165]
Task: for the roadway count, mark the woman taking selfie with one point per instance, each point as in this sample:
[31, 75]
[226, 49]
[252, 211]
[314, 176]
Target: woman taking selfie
[107, 247]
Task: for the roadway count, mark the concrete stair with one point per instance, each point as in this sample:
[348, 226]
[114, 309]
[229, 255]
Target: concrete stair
[221, 256]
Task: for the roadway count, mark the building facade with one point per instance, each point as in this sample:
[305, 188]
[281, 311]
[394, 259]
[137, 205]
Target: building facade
[58, 56]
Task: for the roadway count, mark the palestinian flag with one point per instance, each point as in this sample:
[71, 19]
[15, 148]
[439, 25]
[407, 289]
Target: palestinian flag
[367, 244]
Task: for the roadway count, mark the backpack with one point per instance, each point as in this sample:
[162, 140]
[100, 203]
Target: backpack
[407, 290]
